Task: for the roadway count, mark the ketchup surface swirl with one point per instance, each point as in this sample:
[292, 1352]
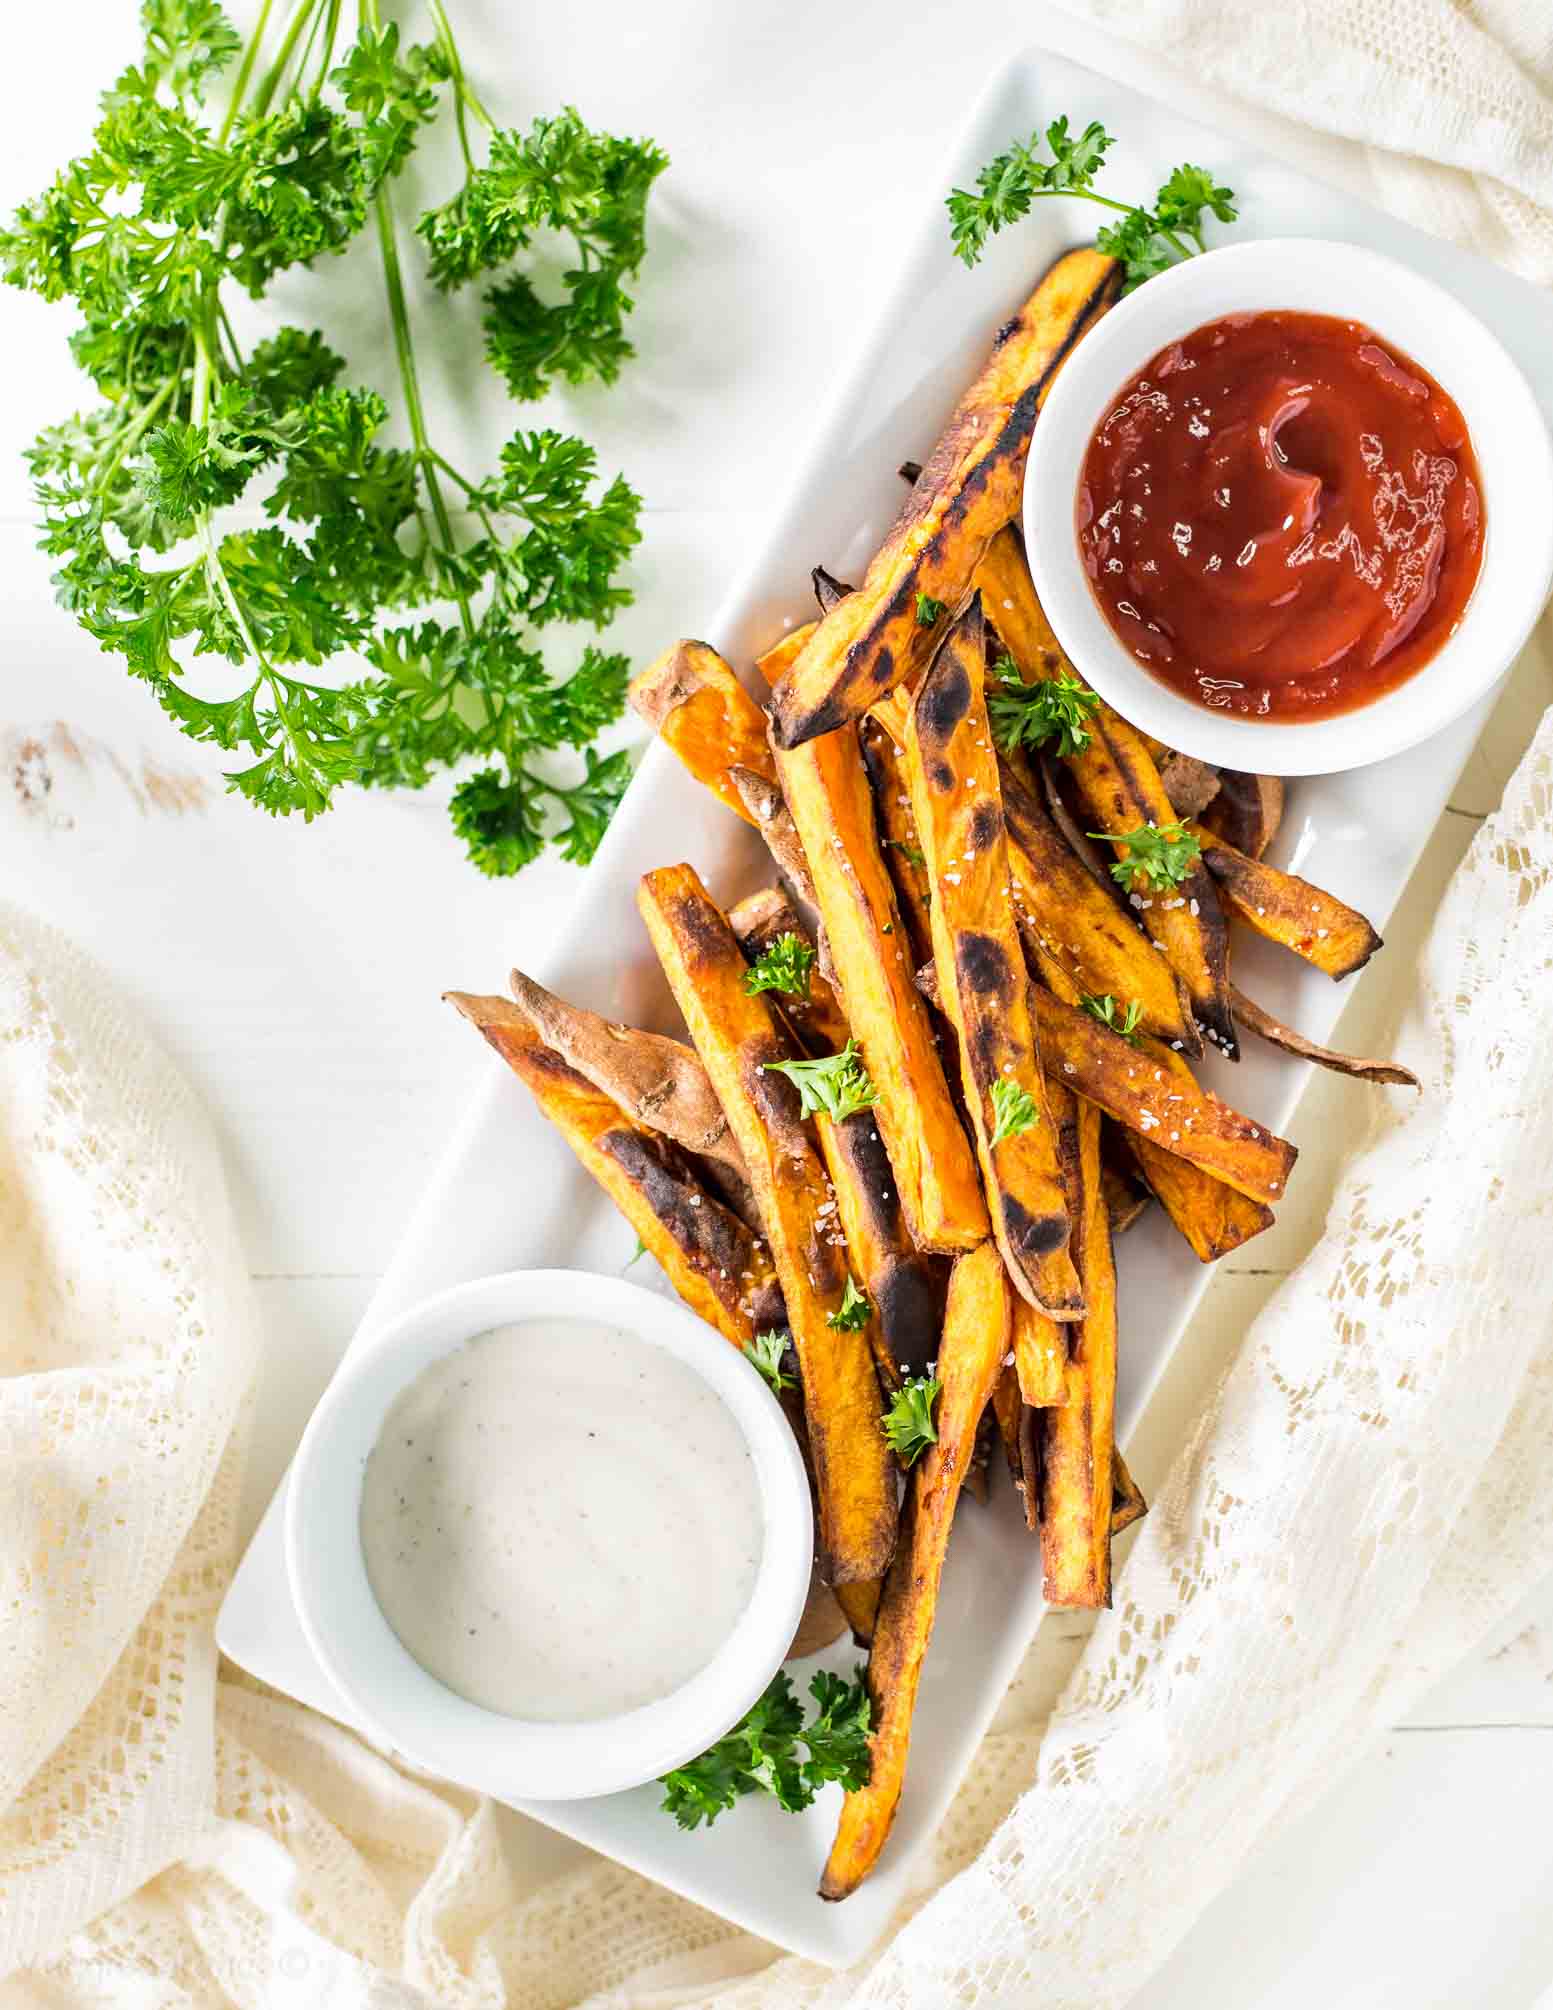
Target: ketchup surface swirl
[1281, 516]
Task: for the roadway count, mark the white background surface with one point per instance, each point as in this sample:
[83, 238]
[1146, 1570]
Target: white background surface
[294, 972]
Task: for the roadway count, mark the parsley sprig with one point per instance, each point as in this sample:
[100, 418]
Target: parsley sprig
[1028, 715]
[761, 1754]
[1147, 241]
[928, 610]
[851, 1315]
[784, 965]
[384, 624]
[837, 1086]
[768, 1352]
[1014, 1110]
[1157, 855]
[1105, 1008]
[908, 1423]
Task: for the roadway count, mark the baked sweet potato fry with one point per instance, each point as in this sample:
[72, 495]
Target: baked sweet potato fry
[897, 828]
[952, 768]
[976, 1327]
[1247, 810]
[1213, 1217]
[1286, 909]
[1065, 917]
[1153, 1092]
[1077, 1445]
[716, 1264]
[826, 789]
[904, 1288]
[968, 491]
[860, 1603]
[691, 699]
[775, 662]
[739, 1038]
[1127, 1502]
[1120, 786]
[768, 812]
[1276, 1034]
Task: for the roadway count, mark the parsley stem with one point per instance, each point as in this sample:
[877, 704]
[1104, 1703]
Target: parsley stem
[463, 91]
[133, 430]
[245, 71]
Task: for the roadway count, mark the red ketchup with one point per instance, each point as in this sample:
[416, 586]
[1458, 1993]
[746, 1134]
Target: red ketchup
[1280, 517]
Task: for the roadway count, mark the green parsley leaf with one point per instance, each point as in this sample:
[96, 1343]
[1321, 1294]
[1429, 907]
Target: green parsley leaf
[1105, 1009]
[1158, 856]
[784, 965]
[636, 1255]
[928, 610]
[1146, 241]
[1014, 1110]
[836, 1086]
[851, 1315]
[913, 854]
[768, 1352]
[761, 1754]
[908, 1423]
[1028, 715]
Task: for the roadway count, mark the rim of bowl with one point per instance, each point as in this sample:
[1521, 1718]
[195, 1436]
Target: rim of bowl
[1408, 312]
[401, 1703]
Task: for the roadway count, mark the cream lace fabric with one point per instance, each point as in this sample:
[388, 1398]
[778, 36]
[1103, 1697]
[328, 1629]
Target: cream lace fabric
[1368, 1493]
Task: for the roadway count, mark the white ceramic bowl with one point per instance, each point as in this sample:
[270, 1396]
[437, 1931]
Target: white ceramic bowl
[1515, 460]
[387, 1690]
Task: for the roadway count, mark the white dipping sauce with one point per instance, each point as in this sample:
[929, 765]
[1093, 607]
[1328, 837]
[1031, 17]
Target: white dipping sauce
[561, 1521]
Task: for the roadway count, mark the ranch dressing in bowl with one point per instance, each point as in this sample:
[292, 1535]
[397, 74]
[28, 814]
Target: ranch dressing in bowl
[560, 1521]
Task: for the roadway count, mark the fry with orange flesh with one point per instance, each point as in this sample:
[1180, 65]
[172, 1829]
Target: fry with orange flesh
[860, 1603]
[1070, 920]
[968, 491]
[898, 835]
[1120, 785]
[720, 1269]
[691, 699]
[775, 662]
[953, 773]
[1286, 909]
[826, 789]
[1153, 1092]
[1077, 1446]
[739, 1038]
[970, 1356]
[1213, 1217]
[1127, 1502]
[904, 1291]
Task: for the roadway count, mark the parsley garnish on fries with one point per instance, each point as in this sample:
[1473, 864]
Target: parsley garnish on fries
[1014, 1111]
[1158, 856]
[1146, 241]
[836, 1087]
[908, 1423]
[1104, 1008]
[761, 1753]
[768, 1353]
[1028, 715]
[851, 1315]
[783, 966]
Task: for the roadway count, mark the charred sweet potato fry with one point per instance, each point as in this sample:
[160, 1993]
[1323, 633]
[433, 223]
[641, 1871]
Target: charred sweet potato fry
[1065, 917]
[1153, 1092]
[904, 1291]
[768, 812]
[1125, 1199]
[1120, 786]
[953, 772]
[860, 1603]
[740, 1039]
[775, 662]
[970, 1356]
[1016, 1427]
[1213, 1217]
[1272, 1030]
[969, 490]
[1247, 810]
[1127, 1502]
[897, 828]
[691, 699]
[1190, 784]
[826, 789]
[1289, 910]
[720, 1269]
[1077, 1446]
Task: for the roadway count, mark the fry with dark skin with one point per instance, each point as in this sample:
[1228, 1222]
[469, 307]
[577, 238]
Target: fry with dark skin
[1077, 1446]
[904, 1289]
[827, 792]
[1315, 925]
[970, 1357]
[1276, 1034]
[720, 1269]
[1213, 1217]
[1121, 789]
[739, 1038]
[1127, 1502]
[898, 834]
[952, 769]
[1247, 810]
[968, 491]
[693, 700]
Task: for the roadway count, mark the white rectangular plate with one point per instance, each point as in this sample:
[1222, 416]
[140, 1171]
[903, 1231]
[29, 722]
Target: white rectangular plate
[508, 1193]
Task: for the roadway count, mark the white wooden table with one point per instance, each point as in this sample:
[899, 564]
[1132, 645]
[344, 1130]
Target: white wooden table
[294, 972]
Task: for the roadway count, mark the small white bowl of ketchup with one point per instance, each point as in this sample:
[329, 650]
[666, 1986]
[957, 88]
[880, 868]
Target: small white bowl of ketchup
[1289, 507]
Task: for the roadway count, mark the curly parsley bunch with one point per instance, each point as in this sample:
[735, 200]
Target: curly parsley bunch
[146, 233]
